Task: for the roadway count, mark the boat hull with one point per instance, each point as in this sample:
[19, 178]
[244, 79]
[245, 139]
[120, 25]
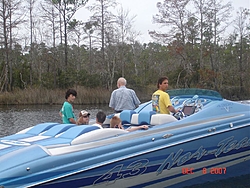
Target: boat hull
[166, 163]
[212, 143]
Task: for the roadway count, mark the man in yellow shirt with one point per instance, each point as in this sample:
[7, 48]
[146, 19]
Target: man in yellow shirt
[160, 99]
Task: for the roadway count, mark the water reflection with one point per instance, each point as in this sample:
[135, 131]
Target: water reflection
[14, 118]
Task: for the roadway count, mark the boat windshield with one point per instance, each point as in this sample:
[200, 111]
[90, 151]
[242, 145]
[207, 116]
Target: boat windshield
[189, 92]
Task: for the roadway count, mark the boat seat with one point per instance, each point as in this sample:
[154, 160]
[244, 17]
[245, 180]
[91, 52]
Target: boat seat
[142, 118]
[134, 119]
[145, 117]
[126, 116]
[157, 119]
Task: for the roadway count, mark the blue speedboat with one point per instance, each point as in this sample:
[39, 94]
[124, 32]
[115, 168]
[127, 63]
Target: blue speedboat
[207, 140]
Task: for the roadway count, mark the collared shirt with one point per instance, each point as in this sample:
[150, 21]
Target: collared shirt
[123, 99]
[161, 102]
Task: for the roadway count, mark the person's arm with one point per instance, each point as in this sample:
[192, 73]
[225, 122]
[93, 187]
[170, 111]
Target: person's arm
[72, 120]
[135, 99]
[112, 101]
[134, 128]
[60, 114]
[171, 109]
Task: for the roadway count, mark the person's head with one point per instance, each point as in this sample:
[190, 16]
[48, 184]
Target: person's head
[162, 83]
[70, 95]
[121, 82]
[83, 118]
[115, 122]
[100, 117]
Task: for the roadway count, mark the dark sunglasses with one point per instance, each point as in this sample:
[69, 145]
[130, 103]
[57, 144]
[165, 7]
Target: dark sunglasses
[117, 126]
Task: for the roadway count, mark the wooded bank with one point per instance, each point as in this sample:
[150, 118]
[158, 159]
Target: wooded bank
[56, 51]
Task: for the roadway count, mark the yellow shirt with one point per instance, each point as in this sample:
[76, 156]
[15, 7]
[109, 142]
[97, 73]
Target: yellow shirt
[161, 102]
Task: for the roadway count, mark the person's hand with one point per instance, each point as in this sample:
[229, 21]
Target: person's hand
[79, 121]
[144, 127]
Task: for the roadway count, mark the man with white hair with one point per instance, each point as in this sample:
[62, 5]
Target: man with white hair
[123, 98]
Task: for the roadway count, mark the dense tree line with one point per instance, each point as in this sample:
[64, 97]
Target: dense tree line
[43, 45]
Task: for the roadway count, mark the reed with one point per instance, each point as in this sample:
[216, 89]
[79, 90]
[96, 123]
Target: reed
[92, 95]
[33, 96]
[56, 96]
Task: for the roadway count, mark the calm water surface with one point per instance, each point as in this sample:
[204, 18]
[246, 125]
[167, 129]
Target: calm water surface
[16, 118]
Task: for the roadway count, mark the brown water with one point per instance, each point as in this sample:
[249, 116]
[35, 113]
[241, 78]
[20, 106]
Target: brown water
[16, 118]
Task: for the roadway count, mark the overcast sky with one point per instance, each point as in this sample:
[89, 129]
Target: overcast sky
[145, 9]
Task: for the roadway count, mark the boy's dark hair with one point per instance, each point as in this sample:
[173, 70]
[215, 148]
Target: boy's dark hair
[100, 116]
[160, 80]
[69, 92]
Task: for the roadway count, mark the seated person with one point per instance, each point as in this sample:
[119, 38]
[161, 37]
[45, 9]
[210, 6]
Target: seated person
[100, 118]
[116, 122]
[83, 118]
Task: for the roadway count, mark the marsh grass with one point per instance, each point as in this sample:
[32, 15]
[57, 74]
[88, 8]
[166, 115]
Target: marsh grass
[92, 96]
[56, 96]
[33, 96]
